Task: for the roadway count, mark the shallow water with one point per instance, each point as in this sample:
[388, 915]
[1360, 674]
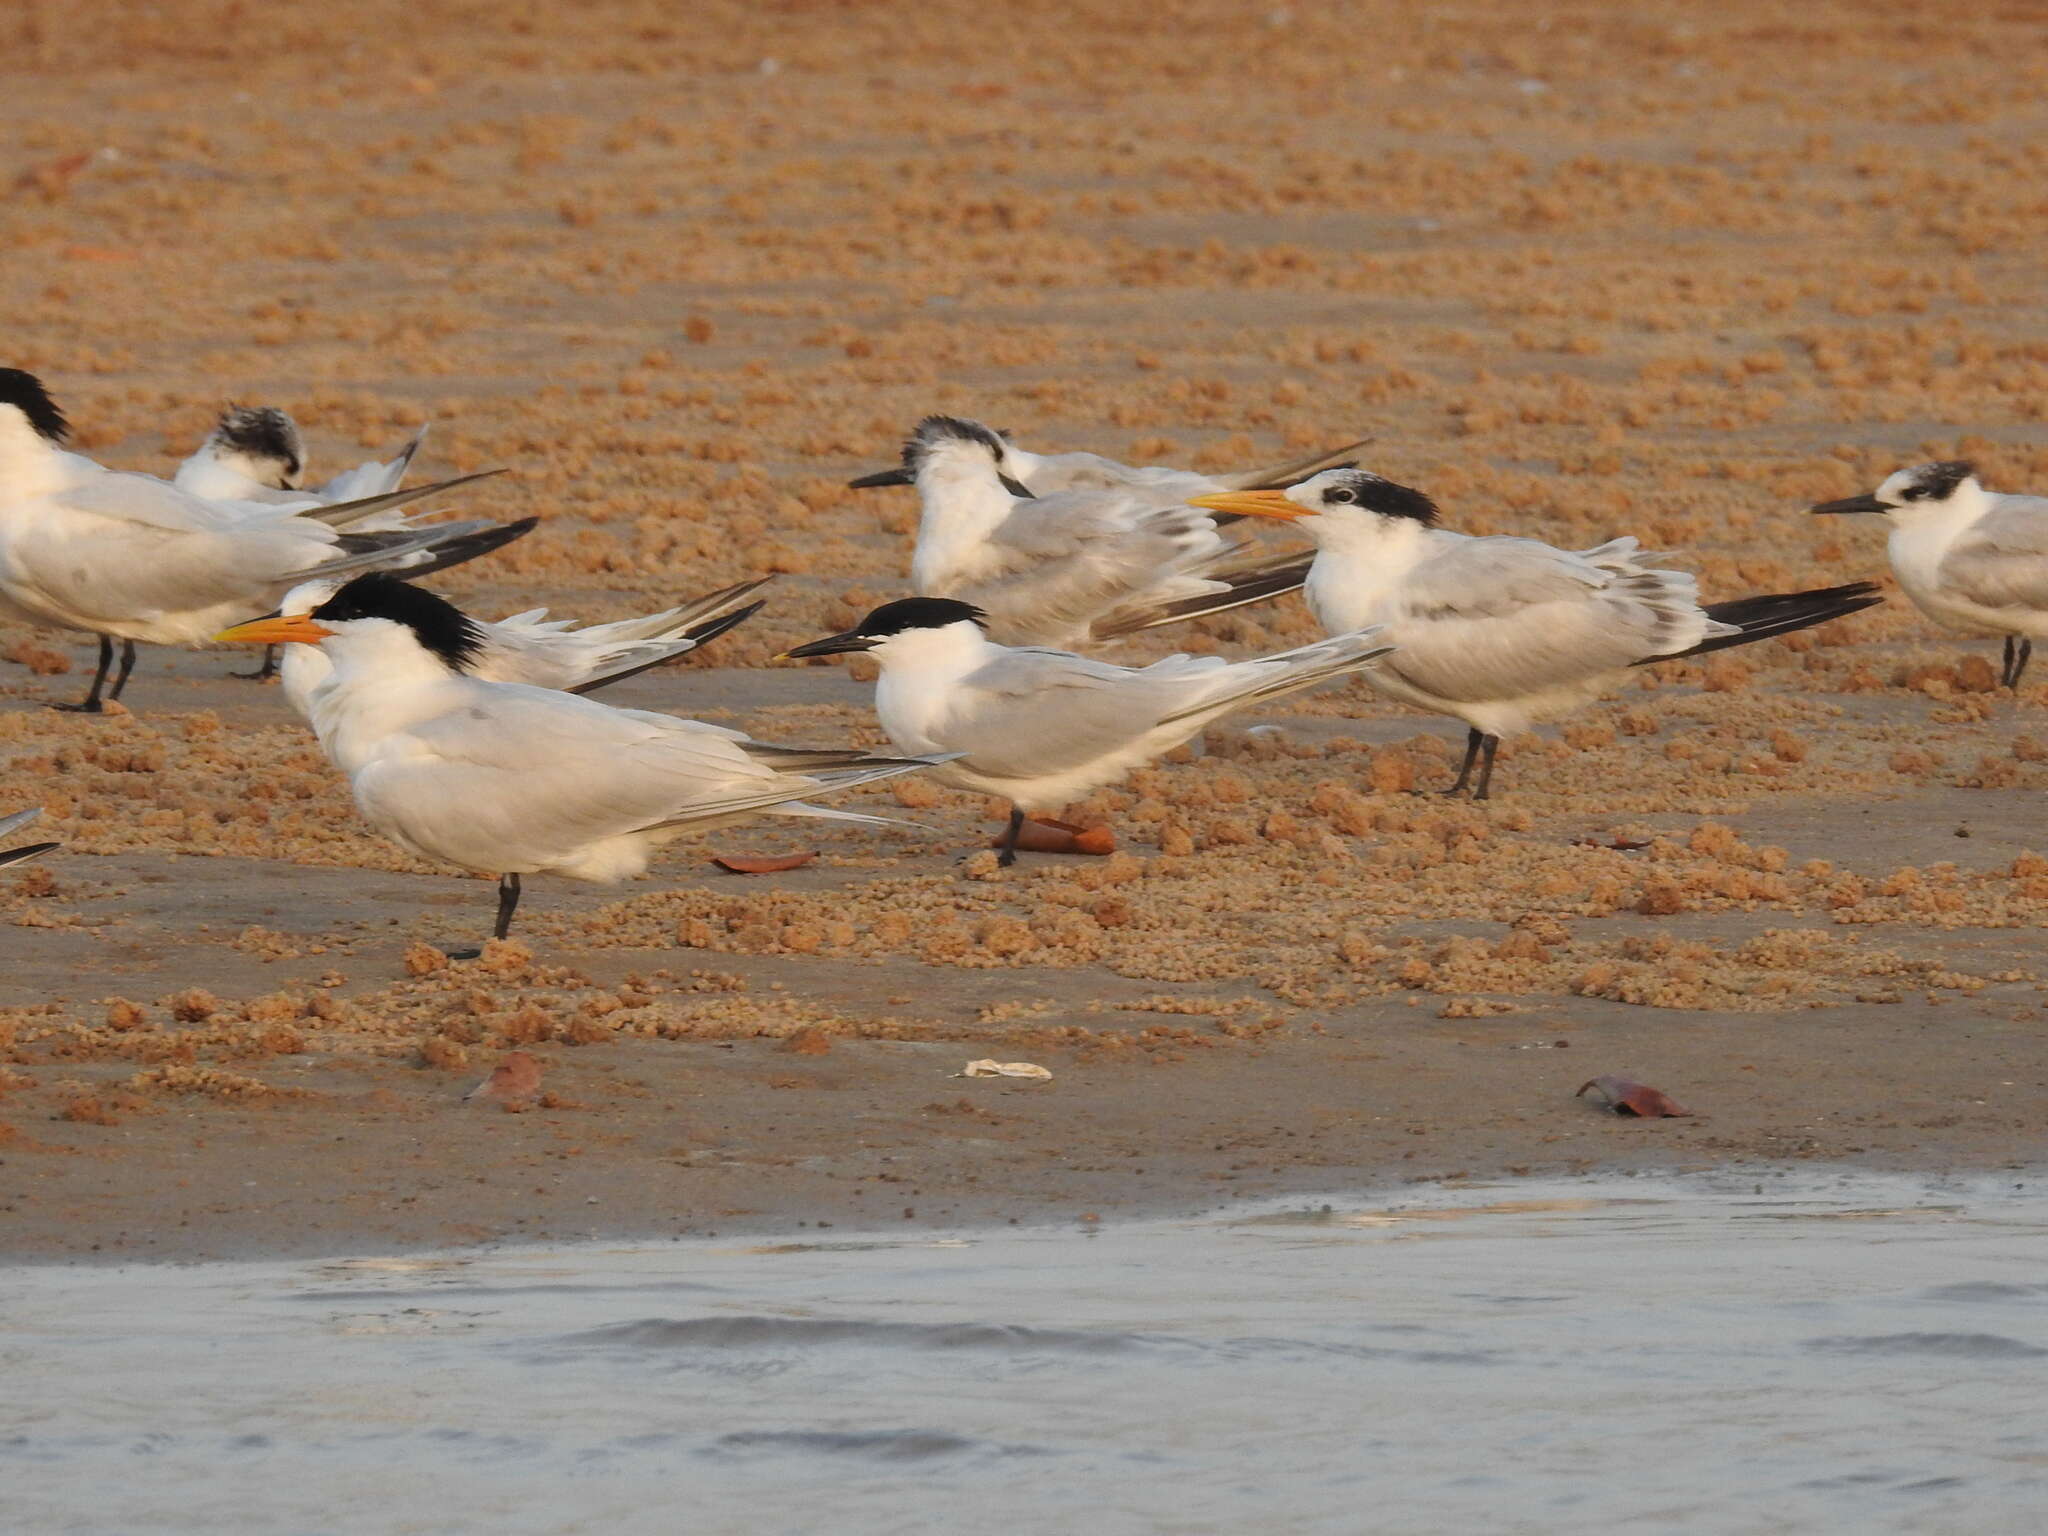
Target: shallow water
[1779, 1352]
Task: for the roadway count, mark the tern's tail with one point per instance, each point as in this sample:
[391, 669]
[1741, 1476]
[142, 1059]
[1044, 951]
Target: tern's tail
[1272, 677]
[1277, 477]
[419, 551]
[377, 477]
[1250, 581]
[1760, 618]
[346, 514]
[23, 854]
[645, 643]
[785, 798]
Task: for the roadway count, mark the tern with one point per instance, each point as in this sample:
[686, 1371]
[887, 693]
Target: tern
[1042, 727]
[27, 851]
[1970, 559]
[546, 653]
[1504, 632]
[131, 557]
[509, 779]
[1044, 474]
[256, 453]
[1074, 567]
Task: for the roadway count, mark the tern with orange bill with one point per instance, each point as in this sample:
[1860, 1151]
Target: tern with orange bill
[1042, 727]
[132, 558]
[1972, 560]
[546, 653]
[1073, 568]
[1504, 632]
[511, 780]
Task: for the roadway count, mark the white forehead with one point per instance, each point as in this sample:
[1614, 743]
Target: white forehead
[1309, 492]
[1896, 483]
[307, 596]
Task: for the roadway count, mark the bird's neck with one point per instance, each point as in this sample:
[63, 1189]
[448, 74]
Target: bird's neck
[29, 465]
[960, 510]
[921, 679]
[379, 689]
[1360, 567]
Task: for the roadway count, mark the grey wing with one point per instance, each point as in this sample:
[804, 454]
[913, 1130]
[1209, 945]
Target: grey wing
[1506, 618]
[109, 568]
[1035, 712]
[1060, 562]
[2002, 562]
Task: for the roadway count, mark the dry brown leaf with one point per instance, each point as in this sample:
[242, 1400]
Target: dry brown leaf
[761, 863]
[1637, 1099]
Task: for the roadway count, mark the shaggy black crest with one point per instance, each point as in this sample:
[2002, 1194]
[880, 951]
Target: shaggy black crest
[26, 391]
[441, 627]
[1937, 481]
[934, 430]
[263, 432]
[1362, 488]
[919, 613]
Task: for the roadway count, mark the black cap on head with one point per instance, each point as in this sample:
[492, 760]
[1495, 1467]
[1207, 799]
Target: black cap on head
[264, 432]
[1936, 481]
[25, 390]
[1363, 488]
[934, 430]
[893, 619]
[440, 626]
[919, 613]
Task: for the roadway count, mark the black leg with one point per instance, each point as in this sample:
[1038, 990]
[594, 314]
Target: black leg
[90, 704]
[508, 903]
[1008, 856]
[1486, 769]
[127, 666]
[264, 673]
[1472, 740]
[2017, 653]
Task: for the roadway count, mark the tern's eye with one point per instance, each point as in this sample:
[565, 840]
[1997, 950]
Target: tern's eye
[1913, 493]
[1342, 496]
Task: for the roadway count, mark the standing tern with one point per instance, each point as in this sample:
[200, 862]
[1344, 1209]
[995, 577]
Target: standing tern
[27, 851]
[256, 453]
[1970, 559]
[1042, 727]
[1043, 474]
[1074, 567]
[509, 779]
[131, 557]
[1503, 632]
[547, 653]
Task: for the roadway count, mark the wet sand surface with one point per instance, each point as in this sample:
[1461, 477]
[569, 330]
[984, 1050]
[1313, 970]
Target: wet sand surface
[1611, 274]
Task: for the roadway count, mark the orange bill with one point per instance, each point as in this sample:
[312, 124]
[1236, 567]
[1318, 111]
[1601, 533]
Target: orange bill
[1252, 504]
[277, 630]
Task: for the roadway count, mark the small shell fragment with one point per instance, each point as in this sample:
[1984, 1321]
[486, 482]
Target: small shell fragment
[1029, 1069]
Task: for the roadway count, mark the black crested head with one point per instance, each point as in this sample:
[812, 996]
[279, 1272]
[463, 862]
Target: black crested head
[264, 432]
[1936, 481]
[440, 626]
[919, 613]
[1363, 488]
[936, 430]
[25, 391]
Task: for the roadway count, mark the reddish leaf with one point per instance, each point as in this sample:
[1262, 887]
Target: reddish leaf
[1627, 1098]
[760, 863]
[1044, 835]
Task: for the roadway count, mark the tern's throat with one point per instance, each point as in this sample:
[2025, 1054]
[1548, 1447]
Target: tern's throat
[925, 673]
[384, 683]
[1361, 565]
[962, 506]
[29, 464]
